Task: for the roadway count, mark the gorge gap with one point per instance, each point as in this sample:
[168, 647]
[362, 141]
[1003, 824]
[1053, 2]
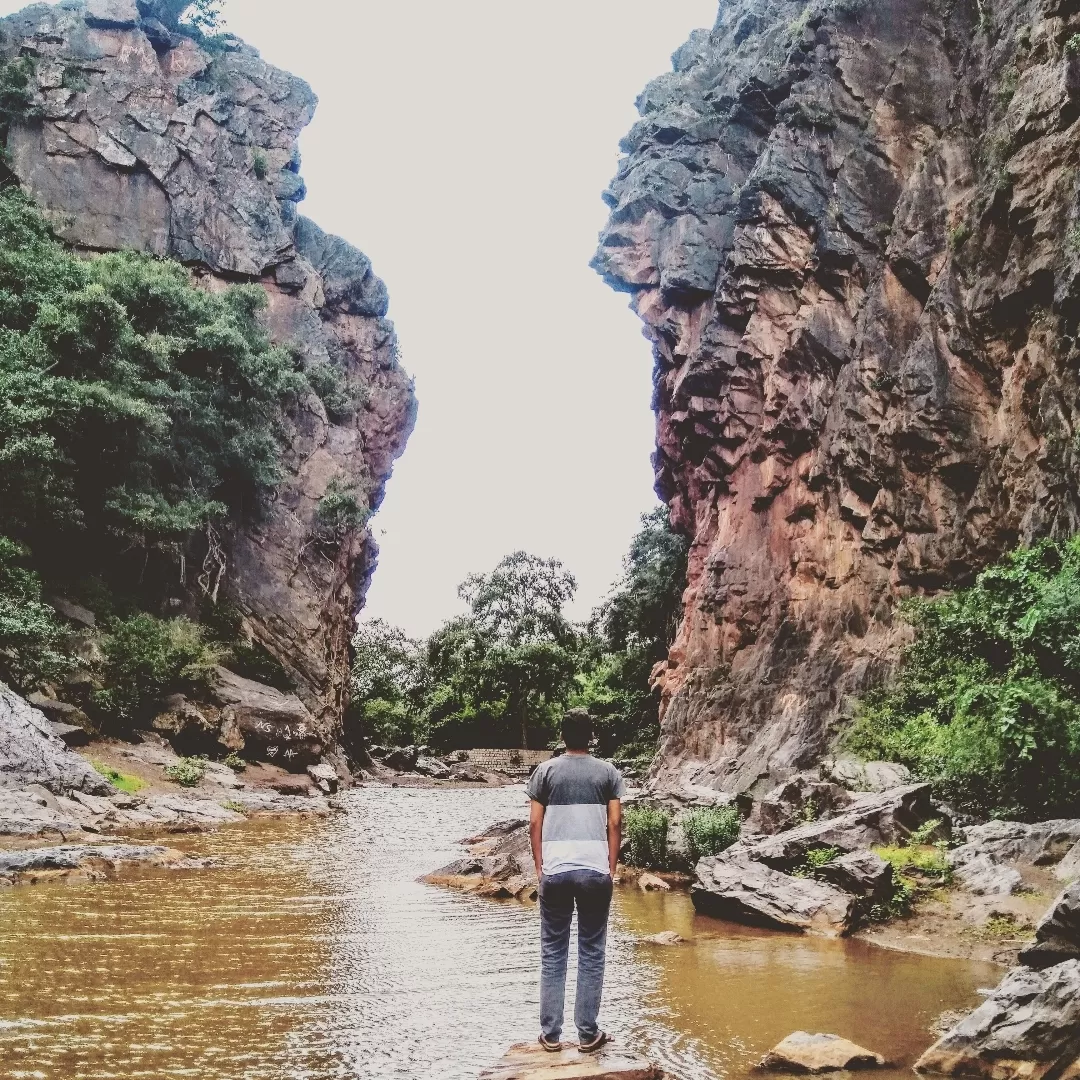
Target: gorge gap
[850, 230]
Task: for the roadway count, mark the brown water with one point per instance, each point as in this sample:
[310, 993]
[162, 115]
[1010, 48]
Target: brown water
[313, 954]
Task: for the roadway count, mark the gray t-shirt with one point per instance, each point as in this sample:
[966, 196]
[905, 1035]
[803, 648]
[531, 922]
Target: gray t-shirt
[575, 789]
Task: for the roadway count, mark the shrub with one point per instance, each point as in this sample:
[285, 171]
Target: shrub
[340, 512]
[986, 705]
[121, 781]
[235, 762]
[646, 833]
[816, 858]
[708, 832]
[31, 637]
[146, 659]
[260, 164]
[1072, 46]
[187, 772]
[959, 235]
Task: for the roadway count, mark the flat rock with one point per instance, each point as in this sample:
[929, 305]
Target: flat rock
[665, 937]
[530, 1061]
[745, 891]
[1028, 1029]
[1044, 843]
[980, 873]
[802, 1052]
[861, 873]
[1069, 867]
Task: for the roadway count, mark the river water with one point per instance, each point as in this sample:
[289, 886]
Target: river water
[312, 953]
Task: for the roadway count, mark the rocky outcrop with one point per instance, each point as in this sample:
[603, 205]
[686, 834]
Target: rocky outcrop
[137, 137]
[500, 864]
[848, 229]
[88, 862]
[31, 754]
[995, 856]
[1029, 1027]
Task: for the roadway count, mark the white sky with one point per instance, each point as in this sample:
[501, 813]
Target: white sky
[464, 147]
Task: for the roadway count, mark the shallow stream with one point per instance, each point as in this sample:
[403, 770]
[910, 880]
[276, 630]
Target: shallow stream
[312, 953]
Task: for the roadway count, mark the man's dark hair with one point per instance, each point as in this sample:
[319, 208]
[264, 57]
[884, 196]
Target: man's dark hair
[577, 728]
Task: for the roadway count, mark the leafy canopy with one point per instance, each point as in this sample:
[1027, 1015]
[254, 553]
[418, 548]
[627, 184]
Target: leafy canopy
[987, 702]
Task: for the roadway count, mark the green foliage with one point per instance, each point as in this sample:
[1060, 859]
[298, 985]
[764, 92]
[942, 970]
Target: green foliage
[646, 837]
[135, 409]
[15, 93]
[187, 772]
[1072, 46]
[32, 639]
[234, 806]
[710, 831]
[959, 235]
[329, 383]
[131, 785]
[926, 833]
[260, 164]
[146, 659]
[816, 858]
[341, 510]
[629, 635]
[235, 762]
[74, 78]
[390, 683]
[1009, 82]
[987, 703]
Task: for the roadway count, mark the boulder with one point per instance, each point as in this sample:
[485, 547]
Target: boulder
[433, 768]
[1027, 1029]
[74, 613]
[982, 874]
[871, 819]
[1044, 843]
[1069, 867]
[652, 883]
[856, 775]
[275, 726]
[1057, 937]
[30, 753]
[530, 1061]
[798, 800]
[193, 729]
[466, 774]
[802, 1052]
[403, 759]
[112, 14]
[66, 714]
[861, 873]
[746, 891]
[70, 734]
[325, 777]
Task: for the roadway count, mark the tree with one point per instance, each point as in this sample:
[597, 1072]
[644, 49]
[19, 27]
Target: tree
[390, 680]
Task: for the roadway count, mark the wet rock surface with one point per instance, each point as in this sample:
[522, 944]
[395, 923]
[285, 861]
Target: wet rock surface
[530, 1060]
[88, 861]
[835, 230]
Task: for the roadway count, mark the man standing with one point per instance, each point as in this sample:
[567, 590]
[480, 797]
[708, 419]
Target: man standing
[575, 825]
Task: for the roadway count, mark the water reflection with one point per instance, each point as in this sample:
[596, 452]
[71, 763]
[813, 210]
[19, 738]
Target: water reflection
[313, 954]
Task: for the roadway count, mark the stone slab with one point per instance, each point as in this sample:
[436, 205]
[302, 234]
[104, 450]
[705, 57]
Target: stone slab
[530, 1061]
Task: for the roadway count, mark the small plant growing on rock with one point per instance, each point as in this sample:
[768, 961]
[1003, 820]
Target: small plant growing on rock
[339, 513]
[235, 762]
[816, 858]
[233, 805]
[1072, 46]
[959, 235]
[187, 772]
[708, 832]
[646, 833]
[260, 164]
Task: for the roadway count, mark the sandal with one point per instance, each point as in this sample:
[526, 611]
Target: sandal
[549, 1046]
[594, 1044]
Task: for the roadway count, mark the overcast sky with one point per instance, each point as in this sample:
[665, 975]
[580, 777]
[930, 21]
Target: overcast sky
[464, 147]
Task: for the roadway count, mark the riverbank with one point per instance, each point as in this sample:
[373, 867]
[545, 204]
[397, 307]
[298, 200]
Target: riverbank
[306, 931]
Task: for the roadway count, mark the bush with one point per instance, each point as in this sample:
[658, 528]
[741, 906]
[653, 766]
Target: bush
[146, 659]
[31, 637]
[260, 164]
[341, 510]
[816, 859]
[235, 762]
[986, 705]
[187, 772]
[646, 833]
[708, 832]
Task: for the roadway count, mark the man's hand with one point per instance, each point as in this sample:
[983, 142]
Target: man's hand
[536, 835]
[614, 833]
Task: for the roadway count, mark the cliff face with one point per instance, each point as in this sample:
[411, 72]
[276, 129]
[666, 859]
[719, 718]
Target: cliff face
[851, 230]
[138, 138]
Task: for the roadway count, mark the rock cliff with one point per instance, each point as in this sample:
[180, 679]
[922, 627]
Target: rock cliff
[138, 137]
[851, 231]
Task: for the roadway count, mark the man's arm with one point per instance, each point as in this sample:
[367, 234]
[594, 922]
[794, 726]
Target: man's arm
[536, 835]
[614, 832]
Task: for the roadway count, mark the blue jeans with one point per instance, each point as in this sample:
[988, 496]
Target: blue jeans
[591, 892]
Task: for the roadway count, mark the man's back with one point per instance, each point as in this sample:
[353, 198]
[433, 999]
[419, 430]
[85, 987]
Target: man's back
[575, 790]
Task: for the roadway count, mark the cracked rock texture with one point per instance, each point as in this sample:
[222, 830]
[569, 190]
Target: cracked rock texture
[848, 228]
[138, 138]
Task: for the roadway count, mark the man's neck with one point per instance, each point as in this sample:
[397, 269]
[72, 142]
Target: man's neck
[577, 753]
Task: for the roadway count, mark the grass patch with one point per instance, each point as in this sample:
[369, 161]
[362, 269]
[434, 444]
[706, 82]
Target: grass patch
[1000, 927]
[130, 785]
[233, 805]
[187, 772]
[708, 832]
[646, 833]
